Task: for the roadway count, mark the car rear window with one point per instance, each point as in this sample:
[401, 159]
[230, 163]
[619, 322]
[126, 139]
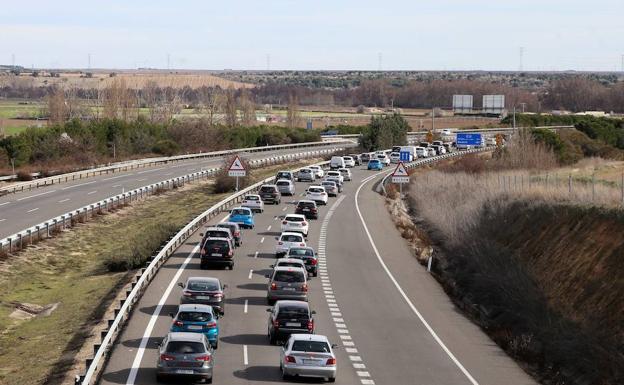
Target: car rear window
[306, 204]
[252, 198]
[294, 219]
[288, 264]
[217, 234]
[240, 212]
[267, 189]
[232, 227]
[283, 175]
[283, 183]
[301, 252]
[289, 276]
[203, 286]
[292, 312]
[292, 238]
[194, 316]
[315, 190]
[216, 244]
[184, 347]
[311, 346]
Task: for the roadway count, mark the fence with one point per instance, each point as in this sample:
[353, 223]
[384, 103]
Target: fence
[125, 166]
[95, 365]
[52, 226]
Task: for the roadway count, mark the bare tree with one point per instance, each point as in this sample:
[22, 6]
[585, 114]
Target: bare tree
[58, 111]
[119, 101]
[211, 102]
[231, 113]
[293, 118]
[248, 108]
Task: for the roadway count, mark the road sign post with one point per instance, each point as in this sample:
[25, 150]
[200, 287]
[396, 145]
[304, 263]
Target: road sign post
[400, 176]
[237, 169]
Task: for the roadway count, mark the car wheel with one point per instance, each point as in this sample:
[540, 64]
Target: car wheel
[215, 345]
[331, 379]
[203, 266]
[232, 266]
[209, 380]
[315, 274]
[160, 378]
[272, 339]
[285, 377]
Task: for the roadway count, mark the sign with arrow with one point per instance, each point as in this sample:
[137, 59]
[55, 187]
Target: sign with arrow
[236, 168]
[400, 174]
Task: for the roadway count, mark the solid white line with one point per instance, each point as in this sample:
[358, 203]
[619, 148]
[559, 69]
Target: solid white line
[245, 358]
[141, 180]
[91, 192]
[63, 200]
[78, 185]
[400, 289]
[36, 195]
[114, 177]
[136, 364]
[117, 185]
[250, 273]
[35, 209]
[5, 203]
[2, 220]
[246, 303]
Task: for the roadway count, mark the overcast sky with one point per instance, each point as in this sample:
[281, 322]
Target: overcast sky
[319, 34]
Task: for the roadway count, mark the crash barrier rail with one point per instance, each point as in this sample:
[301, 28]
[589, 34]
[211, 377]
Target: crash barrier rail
[52, 226]
[455, 130]
[141, 163]
[101, 350]
[434, 159]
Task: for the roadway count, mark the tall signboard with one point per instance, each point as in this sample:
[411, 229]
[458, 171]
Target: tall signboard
[462, 104]
[468, 140]
[493, 104]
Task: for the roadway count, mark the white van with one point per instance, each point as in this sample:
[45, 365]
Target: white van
[411, 150]
[336, 163]
[421, 152]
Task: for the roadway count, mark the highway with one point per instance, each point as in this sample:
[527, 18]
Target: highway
[392, 321]
[25, 209]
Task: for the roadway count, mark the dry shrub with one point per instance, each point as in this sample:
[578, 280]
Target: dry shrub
[24, 176]
[523, 152]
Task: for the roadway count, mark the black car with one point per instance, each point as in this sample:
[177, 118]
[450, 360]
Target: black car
[308, 256]
[307, 208]
[289, 317]
[234, 230]
[217, 251]
[269, 193]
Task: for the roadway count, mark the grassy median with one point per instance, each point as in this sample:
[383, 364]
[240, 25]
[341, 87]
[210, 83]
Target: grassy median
[52, 295]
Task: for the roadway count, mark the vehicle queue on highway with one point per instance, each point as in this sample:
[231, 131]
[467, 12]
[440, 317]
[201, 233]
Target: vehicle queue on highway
[188, 350]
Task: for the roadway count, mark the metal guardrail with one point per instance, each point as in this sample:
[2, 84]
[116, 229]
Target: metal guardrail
[95, 365]
[129, 165]
[52, 226]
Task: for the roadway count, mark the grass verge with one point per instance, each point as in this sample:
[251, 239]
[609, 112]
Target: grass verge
[69, 274]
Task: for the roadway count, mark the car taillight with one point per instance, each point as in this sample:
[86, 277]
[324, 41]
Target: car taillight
[331, 361]
[230, 253]
[237, 233]
[178, 323]
[310, 325]
[302, 244]
[304, 287]
[284, 223]
[211, 325]
[322, 193]
[313, 262]
[187, 293]
[273, 286]
[276, 324]
[304, 223]
[166, 357]
[218, 295]
[202, 252]
[290, 359]
[205, 358]
[280, 243]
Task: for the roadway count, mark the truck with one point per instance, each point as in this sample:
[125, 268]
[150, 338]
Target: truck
[411, 150]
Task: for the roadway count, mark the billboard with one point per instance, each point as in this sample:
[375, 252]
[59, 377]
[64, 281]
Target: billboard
[493, 104]
[466, 139]
[462, 103]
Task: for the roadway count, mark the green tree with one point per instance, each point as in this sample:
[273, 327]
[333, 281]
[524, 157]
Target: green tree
[384, 132]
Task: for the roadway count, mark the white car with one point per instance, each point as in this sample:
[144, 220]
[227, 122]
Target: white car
[295, 223]
[383, 158]
[349, 161]
[317, 194]
[290, 262]
[395, 157]
[306, 174]
[253, 202]
[345, 172]
[308, 355]
[421, 152]
[431, 151]
[318, 171]
[336, 174]
[447, 132]
[287, 240]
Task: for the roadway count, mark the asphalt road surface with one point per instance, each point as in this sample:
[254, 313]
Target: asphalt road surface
[392, 321]
[25, 209]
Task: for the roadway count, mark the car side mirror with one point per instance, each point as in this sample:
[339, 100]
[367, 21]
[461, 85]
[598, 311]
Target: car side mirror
[269, 310]
[334, 346]
[276, 238]
[201, 234]
[267, 276]
[313, 311]
[225, 285]
[181, 285]
[272, 266]
[171, 315]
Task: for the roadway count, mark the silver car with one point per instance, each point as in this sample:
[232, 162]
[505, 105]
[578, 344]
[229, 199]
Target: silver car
[308, 355]
[287, 283]
[306, 175]
[331, 187]
[187, 355]
[285, 187]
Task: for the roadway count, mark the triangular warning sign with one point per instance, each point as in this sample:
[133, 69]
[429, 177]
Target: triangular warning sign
[400, 170]
[236, 165]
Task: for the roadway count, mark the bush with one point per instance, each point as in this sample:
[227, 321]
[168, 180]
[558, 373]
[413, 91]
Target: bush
[24, 176]
[384, 132]
[166, 147]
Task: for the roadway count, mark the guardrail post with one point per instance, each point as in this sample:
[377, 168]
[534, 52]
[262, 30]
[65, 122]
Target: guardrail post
[10, 245]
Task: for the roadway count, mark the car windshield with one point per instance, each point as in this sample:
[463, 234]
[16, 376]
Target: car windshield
[251, 198]
[203, 286]
[294, 219]
[292, 238]
[240, 212]
[216, 244]
[283, 175]
[267, 189]
[194, 316]
[311, 346]
[289, 276]
[184, 347]
[301, 252]
[292, 312]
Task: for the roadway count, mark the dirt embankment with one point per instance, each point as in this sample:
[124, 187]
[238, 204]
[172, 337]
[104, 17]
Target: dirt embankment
[546, 281]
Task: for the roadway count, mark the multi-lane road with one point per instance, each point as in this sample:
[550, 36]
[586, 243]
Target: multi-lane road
[392, 321]
[25, 209]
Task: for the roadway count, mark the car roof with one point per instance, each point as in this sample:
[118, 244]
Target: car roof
[293, 303]
[289, 268]
[268, 185]
[227, 224]
[241, 207]
[315, 186]
[204, 279]
[327, 181]
[306, 201]
[343, 169]
[186, 336]
[294, 260]
[252, 195]
[215, 228]
[217, 239]
[295, 215]
[302, 247]
[291, 233]
[195, 307]
[309, 337]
